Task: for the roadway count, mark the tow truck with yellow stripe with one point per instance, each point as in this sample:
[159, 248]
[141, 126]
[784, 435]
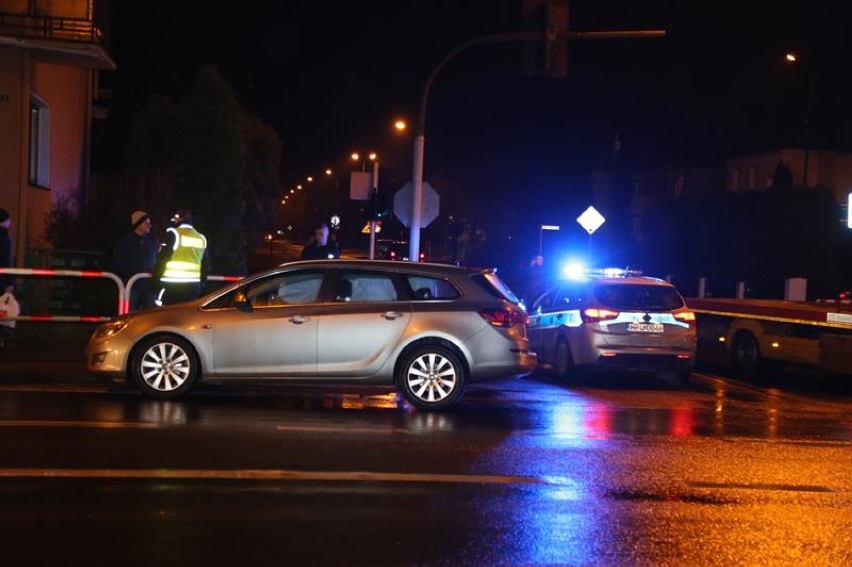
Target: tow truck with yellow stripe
[752, 332]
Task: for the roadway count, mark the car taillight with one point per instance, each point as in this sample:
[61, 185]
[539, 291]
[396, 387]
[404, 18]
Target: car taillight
[593, 315]
[685, 316]
[504, 317]
[392, 255]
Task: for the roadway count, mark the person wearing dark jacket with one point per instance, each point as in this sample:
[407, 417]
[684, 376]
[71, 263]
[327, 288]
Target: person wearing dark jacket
[135, 253]
[7, 282]
[319, 247]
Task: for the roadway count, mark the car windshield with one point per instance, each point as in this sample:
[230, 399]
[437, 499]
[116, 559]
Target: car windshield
[638, 297]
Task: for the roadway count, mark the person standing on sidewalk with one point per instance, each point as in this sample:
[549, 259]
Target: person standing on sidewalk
[135, 253]
[9, 305]
[7, 282]
[181, 261]
[319, 247]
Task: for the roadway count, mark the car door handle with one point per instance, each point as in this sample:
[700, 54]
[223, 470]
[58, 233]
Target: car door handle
[298, 319]
[391, 315]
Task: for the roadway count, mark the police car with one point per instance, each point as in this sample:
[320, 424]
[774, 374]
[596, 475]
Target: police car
[612, 319]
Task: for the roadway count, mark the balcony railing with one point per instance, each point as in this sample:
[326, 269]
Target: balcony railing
[49, 28]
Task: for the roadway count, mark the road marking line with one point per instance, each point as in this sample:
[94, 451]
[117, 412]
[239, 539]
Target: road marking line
[266, 474]
[91, 424]
[328, 429]
[54, 388]
[771, 487]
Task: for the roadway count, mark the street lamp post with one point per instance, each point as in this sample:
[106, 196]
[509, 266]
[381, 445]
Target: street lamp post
[373, 221]
[793, 58]
[420, 138]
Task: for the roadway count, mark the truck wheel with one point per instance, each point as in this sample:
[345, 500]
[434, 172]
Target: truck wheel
[745, 354]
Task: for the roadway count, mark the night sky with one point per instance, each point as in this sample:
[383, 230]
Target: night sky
[331, 77]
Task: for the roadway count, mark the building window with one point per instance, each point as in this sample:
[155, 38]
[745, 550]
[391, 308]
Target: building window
[39, 143]
[677, 187]
[752, 177]
[735, 179]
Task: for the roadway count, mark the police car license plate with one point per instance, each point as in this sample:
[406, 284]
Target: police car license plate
[645, 328]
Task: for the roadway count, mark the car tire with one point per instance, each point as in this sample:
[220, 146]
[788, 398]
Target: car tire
[431, 377]
[164, 366]
[745, 354]
[563, 361]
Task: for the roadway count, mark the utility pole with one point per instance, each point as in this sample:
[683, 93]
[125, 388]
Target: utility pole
[374, 196]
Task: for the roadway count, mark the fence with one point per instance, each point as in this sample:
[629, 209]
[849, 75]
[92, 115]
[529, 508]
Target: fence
[123, 296]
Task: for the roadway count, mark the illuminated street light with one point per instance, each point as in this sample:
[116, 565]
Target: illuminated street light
[299, 187]
[400, 125]
[373, 156]
[355, 156]
[310, 179]
[791, 57]
[328, 172]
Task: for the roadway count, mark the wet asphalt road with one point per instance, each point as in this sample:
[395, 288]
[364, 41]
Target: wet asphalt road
[525, 472]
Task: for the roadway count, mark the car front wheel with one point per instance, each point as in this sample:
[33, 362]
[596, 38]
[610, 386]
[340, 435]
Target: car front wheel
[164, 366]
[431, 377]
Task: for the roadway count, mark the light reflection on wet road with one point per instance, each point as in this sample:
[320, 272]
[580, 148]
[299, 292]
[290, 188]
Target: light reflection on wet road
[526, 472]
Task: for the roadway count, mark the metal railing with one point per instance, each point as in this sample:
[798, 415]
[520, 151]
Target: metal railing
[123, 305]
[32, 26]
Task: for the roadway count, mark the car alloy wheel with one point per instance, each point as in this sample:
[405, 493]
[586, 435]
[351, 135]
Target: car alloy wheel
[432, 378]
[164, 366]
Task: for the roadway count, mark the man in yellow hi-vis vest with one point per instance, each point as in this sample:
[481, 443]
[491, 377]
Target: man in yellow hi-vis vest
[181, 261]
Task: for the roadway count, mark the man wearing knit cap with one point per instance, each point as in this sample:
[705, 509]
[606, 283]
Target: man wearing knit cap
[135, 253]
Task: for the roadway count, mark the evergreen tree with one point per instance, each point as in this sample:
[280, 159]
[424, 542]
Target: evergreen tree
[210, 169]
[262, 185]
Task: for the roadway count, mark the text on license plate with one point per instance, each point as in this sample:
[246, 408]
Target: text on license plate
[645, 328]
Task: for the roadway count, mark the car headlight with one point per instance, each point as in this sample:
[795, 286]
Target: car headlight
[111, 328]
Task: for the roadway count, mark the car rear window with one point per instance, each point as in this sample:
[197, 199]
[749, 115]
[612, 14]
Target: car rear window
[427, 287]
[495, 286]
[638, 297]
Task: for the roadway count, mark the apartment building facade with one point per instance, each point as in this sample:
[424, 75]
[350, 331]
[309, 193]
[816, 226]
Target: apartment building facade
[51, 52]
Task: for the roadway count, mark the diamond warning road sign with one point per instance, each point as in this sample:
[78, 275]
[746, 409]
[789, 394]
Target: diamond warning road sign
[402, 204]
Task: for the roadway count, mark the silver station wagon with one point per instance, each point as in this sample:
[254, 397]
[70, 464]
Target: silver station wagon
[427, 329]
[613, 319]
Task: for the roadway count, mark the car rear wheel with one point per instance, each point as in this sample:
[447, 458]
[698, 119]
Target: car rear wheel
[164, 366]
[564, 362]
[431, 377]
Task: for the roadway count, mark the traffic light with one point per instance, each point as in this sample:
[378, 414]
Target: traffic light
[550, 57]
[377, 207]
